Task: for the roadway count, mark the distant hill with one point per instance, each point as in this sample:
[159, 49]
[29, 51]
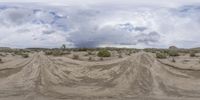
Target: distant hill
[198, 48]
[173, 47]
[4, 48]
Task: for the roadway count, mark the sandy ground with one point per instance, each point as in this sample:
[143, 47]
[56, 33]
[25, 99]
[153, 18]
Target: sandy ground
[137, 77]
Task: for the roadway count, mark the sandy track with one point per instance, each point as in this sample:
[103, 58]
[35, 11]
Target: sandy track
[140, 76]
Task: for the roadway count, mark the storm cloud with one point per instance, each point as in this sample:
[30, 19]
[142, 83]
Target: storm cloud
[141, 26]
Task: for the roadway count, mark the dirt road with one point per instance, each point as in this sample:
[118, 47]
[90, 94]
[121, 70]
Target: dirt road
[138, 77]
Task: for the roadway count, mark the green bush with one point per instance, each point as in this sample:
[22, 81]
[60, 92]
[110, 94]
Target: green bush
[161, 55]
[173, 53]
[104, 53]
[25, 55]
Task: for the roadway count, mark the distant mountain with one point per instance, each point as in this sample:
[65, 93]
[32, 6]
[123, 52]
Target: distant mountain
[173, 47]
[4, 48]
[197, 48]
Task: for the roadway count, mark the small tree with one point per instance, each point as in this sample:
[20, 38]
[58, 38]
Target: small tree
[63, 46]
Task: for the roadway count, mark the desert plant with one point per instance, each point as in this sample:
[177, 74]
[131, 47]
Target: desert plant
[161, 55]
[25, 55]
[101, 58]
[192, 54]
[90, 53]
[13, 54]
[75, 56]
[120, 56]
[57, 53]
[63, 47]
[104, 53]
[48, 53]
[90, 59]
[173, 53]
[173, 60]
[68, 52]
[129, 53]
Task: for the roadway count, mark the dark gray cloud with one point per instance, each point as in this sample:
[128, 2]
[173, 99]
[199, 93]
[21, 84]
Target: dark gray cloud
[130, 28]
[148, 38]
[95, 26]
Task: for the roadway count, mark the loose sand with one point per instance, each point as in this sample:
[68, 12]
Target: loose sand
[137, 77]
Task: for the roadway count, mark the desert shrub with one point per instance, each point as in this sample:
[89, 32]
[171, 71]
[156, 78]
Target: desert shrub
[119, 51]
[57, 53]
[48, 53]
[120, 56]
[25, 55]
[173, 53]
[134, 51]
[21, 53]
[82, 49]
[161, 55]
[90, 53]
[192, 54]
[13, 54]
[101, 58]
[90, 59]
[75, 56]
[104, 53]
[68, 52]
[129, 53]
[18, 52]
[173, 60]
[152, 50]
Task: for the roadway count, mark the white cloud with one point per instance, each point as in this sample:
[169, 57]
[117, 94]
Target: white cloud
[96, 25]
[164, 3]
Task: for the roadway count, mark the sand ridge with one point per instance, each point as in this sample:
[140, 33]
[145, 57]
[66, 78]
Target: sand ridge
[141, 75]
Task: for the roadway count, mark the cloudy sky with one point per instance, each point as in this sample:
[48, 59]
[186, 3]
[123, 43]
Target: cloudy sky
[100, 23]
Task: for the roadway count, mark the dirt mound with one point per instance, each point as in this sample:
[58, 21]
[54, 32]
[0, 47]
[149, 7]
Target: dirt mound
[137, 76]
